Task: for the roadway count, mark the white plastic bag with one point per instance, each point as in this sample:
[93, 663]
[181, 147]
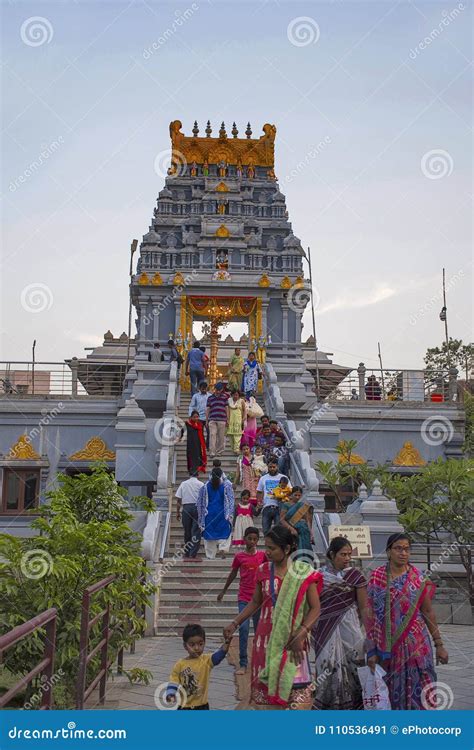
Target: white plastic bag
[374, 690]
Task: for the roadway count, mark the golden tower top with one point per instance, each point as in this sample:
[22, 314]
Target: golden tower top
[244, 152]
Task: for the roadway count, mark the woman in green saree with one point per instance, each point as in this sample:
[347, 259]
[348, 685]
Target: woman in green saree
[296, 516]
[236, 366]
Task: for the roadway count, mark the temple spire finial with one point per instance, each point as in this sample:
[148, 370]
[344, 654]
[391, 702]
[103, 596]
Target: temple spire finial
[208, 130]
[235, 132]
[222, 132]
[248, 132]
[195, 129]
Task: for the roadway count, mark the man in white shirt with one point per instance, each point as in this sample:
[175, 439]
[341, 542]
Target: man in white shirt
[266, 485]
[186, 512]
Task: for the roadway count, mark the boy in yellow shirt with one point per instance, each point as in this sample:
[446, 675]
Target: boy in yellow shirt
[189, 680]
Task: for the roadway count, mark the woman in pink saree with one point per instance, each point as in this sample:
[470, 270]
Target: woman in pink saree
[399, 618]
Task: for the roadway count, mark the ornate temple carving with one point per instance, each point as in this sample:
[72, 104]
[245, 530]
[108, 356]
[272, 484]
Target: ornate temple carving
[157, 280]
[247, 152]
[23, 450]
[94, 450]
[178, 279]
[264, 281]
[222, 231]
[408, 455]
[286, 283]
[143, 279]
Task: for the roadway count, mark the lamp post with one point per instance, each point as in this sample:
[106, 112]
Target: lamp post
[133, 248]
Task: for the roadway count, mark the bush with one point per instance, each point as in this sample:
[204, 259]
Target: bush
[84, 537]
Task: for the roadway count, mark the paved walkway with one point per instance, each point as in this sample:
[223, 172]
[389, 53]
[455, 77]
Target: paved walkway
[159, 654]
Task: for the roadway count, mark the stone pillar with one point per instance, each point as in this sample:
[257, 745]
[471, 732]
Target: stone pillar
[361, 373]
[74, 364]
[381, 515]
[141, 351]
[156, 320]
[264, 317]
[284, 307]
[453, 386]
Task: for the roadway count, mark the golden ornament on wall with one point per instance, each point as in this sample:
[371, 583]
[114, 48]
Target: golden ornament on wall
[143, 279]
[178, 279]
[157, 280]
[299, 282]
[286, 283]
[222, 188]
[344, 455]
[23, 449]
[408, 456]
[94, 450]
[264, 281]
[222, 231]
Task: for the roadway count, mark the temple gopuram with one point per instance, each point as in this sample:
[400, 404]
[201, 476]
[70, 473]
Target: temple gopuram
[220, 249]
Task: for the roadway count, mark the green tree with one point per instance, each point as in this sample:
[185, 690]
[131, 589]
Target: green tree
[457, 354]
[440, 500]
[84, 536]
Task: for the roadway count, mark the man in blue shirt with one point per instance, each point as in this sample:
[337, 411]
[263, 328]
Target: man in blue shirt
[199, 403]
[195, 366]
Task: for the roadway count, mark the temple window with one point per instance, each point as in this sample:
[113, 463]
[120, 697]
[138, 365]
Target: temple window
[20, 490]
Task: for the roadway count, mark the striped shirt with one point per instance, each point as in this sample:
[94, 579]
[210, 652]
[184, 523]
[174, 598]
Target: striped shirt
[217, 406]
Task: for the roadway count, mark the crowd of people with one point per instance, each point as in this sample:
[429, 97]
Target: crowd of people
[313, 628]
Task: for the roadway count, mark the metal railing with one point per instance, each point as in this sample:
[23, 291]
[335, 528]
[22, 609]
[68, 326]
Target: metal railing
[74, 378]
[85, 656]
[372, 385]
[45, 667]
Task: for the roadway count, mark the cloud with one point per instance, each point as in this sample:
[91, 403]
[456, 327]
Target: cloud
[89, 339]
[381, 292]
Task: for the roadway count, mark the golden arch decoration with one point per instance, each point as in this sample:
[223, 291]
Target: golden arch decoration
[408, 455]
[94, 450]
[237, 307]
[23, 450]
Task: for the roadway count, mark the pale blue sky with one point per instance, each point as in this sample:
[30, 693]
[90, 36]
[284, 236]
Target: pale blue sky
[99, 106]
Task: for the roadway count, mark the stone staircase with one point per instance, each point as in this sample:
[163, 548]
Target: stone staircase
[189, 588]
